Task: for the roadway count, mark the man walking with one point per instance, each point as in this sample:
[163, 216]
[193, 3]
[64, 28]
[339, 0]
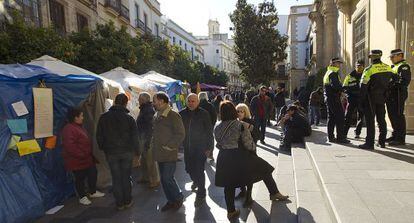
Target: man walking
[261, 107]
[315, 102]
[375, 83]
[333, 90]
[397, 96]
[168, 134]
[149, 168]
[279, 101]
[117, 136]
[351, 88]
[198, 143]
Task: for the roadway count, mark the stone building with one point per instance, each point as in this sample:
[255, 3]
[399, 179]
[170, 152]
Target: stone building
[298, 23]
[281, 77]
[351, 28]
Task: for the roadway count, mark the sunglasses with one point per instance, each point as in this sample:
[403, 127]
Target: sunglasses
[240, 111]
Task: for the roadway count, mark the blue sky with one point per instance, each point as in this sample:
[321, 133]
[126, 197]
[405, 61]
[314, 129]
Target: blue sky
[193, 15]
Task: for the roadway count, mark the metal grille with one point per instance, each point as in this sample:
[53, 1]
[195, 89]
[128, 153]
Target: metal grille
[360, 37]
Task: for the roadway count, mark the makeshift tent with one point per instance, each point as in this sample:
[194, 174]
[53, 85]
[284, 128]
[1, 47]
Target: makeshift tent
[133, 84]
[175, 89]
[210, 87]
[93, 108]
[59, 67]
[34, 183]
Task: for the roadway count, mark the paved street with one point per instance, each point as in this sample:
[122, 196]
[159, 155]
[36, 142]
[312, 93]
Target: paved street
[326, 183]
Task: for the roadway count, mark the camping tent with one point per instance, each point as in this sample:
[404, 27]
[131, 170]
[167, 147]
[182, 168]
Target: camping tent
[133, 84]
[33, 183]
[59, 67]
[93, 107]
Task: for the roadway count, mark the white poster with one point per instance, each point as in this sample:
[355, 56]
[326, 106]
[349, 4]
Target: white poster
[43, 112]
[20, 108]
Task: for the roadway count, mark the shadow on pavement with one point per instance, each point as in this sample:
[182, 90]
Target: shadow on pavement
[89, 214]
[394, 155]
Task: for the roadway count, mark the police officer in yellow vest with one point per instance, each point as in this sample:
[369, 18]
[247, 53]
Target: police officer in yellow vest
[333, 90]
[397, 96]
[375, 83]
[351, 88]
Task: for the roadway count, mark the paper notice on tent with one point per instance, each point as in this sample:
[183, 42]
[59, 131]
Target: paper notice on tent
[43, 112]
[28, 147]
[20, 108]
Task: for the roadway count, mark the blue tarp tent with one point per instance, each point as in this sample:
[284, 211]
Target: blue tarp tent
[32, 184]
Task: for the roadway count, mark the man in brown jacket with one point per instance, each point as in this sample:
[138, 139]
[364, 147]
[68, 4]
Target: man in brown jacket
[315, 103]
[168, 134]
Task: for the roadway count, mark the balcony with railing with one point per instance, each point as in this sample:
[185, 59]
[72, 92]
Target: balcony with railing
[89, 3]
[148, 30]
[139, 24]
[114, 6]
[124, 13]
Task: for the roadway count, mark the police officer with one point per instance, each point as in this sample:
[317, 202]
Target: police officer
[351, 88]
[375, 83]
[333, 90]
[397, 95]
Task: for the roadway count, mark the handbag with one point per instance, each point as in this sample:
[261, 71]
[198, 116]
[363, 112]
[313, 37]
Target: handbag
[225, 132]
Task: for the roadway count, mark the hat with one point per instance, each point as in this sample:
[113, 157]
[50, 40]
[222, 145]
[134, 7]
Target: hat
[336, 60]
[292, 108]
[396, 52]
[360, 63]
[375, 53]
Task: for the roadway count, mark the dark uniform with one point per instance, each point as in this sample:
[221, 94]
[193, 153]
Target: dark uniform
[375, 83]
[332, 90]
[396, 99]
[351, 88]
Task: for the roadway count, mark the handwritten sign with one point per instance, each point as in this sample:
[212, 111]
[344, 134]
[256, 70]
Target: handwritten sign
[43, 112]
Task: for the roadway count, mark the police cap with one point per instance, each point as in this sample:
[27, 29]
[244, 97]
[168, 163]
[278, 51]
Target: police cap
[396, 52]
[336, 60]
[375, 53]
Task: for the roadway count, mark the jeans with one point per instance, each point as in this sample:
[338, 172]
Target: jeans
[314, 114]
[121, 166]
[261, 124]
[278, 110]
[80, 176]
[168, 182]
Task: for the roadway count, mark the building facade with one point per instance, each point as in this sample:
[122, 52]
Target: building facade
[298, 23]
[177, 36]
[351, 28]
[219, 53]
[68, 16]
[281, 77]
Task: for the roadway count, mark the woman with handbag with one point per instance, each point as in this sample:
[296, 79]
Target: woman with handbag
[236, 166]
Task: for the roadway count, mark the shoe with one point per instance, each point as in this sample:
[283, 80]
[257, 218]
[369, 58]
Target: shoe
[97, 194]
[241, 194]
[285, 147]
[278, 196]
[193, 187]
[154, 185]
[332, 140]
[85, 201]
[366, 146]
[248, 202]
[177, 205]
[262, 142]
[381, 145]
[199, 202]
[396, 143]
[167, 206]
[390, 139]
[343, 141]
[129, 204]
[233, 215]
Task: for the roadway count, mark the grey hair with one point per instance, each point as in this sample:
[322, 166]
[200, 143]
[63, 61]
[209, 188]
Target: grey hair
[192, 94]
[203, 95]
[145, 95]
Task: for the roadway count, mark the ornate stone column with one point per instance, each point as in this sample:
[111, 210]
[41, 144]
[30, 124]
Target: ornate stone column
[318, 28]
[330, 14]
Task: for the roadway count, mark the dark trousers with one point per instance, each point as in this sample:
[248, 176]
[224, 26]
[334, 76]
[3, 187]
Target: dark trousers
[229, 192]
[335, 118]
[350, 111]
[121, 166]
[314, 114]
[90, 175]
[292, 135]
[196, 170]
[261, 124]
[375, 110]
[396, 115]
[168, 182]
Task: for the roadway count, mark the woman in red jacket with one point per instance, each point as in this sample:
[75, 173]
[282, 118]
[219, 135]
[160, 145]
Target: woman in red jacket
[77, 156]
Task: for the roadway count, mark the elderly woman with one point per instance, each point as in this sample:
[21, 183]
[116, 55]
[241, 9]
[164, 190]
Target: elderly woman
[77, 156]
[236, 166]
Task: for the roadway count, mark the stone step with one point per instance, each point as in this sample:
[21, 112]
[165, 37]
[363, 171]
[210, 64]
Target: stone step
[310, 202]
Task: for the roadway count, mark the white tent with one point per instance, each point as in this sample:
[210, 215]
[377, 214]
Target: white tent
[133, 85]
[157, 78]
[59, 67]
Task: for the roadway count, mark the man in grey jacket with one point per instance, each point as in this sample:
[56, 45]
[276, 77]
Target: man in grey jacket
[168, 134]
[198, 143]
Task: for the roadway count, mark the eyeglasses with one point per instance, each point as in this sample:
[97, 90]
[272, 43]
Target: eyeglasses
[240, 111]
